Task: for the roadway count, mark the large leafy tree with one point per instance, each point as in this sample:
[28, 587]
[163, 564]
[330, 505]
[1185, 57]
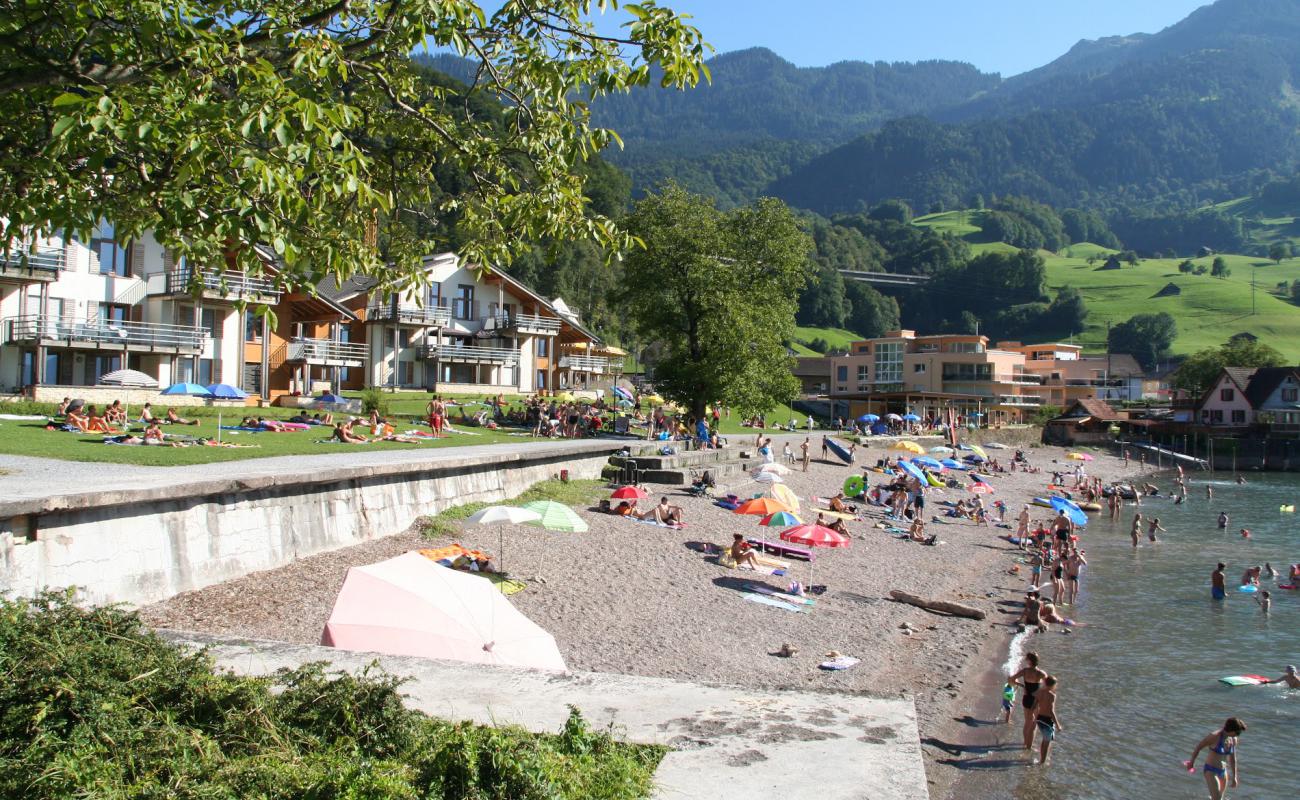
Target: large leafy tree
[718, 292]
[1202, 368]
[303, 125]
[1147, 337]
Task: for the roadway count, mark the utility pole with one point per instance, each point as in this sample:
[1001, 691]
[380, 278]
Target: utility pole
[1252, 291]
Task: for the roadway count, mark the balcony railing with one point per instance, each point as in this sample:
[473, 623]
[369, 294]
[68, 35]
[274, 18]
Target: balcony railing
[1020, 400]
[523, 323]
[327, 352]
[594, 364]
[105, 332]
[471, 354]
[233, 284]
[429, 316]
[22, 261]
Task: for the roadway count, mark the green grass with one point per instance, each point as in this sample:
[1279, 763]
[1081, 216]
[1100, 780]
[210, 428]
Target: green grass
[837, 338]
[957, 223]
[570, 493]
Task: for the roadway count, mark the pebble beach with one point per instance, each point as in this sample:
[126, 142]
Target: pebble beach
[635, 598]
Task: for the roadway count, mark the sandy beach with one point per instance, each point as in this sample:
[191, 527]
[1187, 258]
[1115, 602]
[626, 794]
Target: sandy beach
[637, 598]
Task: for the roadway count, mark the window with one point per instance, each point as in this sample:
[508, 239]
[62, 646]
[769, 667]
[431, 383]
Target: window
[841, 373]
[406, 373]
[403, 339]
[918, 368]
[1227, 395]
[1290, 395]
[435, 295]
[1239, 416]
[541, 379]
[1216, 415]
[207, 320]
[864, 372]
[114, 257]
[113, 312]
[543, 347]
[252, 327]
[463, 306]
[889, 363]
[968, 372]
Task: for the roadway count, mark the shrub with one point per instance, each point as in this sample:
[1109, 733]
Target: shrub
[373, 399]
[96, 705]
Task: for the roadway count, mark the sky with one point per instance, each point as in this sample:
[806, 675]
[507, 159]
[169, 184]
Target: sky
[1006, 36]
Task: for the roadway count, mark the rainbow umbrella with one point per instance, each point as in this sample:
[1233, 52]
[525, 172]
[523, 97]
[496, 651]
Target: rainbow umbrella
[779, 518]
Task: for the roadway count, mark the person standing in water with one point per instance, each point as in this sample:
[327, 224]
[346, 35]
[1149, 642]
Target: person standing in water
[1073, 566]
[1221, 756]
[1218, 588]
[1046, 719]
[1136, 530]
[1155, 526]
[1030, 678]
[1223, 520]
[1209, 492]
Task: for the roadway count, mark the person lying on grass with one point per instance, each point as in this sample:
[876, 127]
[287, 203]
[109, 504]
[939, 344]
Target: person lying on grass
[343, 433]
[173, 418]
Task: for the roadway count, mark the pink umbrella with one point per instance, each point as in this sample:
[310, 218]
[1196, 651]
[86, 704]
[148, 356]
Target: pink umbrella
[410, 606]
[980, 488]
[813, 535]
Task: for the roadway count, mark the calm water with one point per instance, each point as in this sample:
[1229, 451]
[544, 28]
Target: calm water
[1139, 686]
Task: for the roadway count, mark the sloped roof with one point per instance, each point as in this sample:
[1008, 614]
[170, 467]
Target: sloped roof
[1265, 381]
[1239, 376]
[1092, 407]
[332, 290]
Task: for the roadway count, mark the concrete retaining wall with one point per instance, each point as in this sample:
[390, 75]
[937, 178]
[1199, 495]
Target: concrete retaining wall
[144, 545]
[133, 397]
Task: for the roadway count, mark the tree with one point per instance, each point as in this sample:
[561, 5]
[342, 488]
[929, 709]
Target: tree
[1278, 251]
[1295, 291]
[823, 303]
[1129, 257]
[1219, 268]
[1067, 313]
[303, 125]
[1186, 266]
[1146, 337]
[1201, 369]
[892, 211]
[871, 313]
[717, 292]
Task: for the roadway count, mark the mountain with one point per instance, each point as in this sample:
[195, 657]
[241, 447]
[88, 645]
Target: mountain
[1196, 112]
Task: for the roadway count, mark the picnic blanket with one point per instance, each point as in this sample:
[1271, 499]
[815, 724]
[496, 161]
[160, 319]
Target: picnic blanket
[774, 602]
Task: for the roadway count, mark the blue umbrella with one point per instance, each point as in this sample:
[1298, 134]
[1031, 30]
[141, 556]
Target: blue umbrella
[1070, 509]
[911, 418]
[225, 391]
[623, 393]
[952, 464]
[868, 418]
[974, 459]
[911, 469]
[330, 398]
[928, 462]
[192, 389]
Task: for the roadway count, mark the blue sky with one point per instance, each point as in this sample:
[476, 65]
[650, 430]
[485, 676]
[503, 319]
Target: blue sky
[1007, 36]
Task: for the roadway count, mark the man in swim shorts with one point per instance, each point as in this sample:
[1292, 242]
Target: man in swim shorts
[1046, 718]
[1217, 590]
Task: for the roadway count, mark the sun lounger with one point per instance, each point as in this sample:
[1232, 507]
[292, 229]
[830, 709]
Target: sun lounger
[782, 548]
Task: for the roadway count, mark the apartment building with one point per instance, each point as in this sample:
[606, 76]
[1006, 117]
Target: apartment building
[72, 312]
[902, 372]
[1068, 375]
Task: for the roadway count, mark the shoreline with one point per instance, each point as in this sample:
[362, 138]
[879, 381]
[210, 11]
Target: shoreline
[639, 599]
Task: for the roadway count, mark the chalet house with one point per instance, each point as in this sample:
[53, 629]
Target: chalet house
[1227, 402]
[1275, 394]
[1085, 422]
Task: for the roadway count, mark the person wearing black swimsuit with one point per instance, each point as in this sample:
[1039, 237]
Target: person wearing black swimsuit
[1222, 756]
[1030, 678]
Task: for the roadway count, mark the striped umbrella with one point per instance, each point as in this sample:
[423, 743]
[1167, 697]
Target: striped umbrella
[555, 516]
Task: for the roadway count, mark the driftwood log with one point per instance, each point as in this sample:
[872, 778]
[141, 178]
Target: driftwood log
[944, 606]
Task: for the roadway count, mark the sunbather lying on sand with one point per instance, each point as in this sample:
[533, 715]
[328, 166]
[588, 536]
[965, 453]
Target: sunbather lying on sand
[663, 513]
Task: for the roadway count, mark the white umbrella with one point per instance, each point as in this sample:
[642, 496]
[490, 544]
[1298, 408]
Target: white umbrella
[779, 469]
[128, 377]
[499, 516]
[941, 450]
[768, 477]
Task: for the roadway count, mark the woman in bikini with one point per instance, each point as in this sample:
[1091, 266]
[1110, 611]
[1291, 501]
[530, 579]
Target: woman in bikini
[1030, 678]
[742, 553]
[1221, 756]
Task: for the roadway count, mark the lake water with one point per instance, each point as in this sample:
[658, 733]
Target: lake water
[1139, 686]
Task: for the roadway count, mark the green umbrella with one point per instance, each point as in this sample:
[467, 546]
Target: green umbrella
[556, 516]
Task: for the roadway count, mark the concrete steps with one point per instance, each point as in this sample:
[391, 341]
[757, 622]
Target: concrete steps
[726, 464]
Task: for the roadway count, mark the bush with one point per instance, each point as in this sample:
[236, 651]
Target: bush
[373, 399]
[96, 705]
[1045, 413]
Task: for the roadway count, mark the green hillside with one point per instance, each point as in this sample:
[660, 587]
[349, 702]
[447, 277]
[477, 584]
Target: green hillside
[837, 338]
[1208, 310]
[1266, 223]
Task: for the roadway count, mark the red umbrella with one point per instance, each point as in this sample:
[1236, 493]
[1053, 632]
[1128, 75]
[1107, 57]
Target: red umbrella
[980, 488]
[629, 493]
[812, 535]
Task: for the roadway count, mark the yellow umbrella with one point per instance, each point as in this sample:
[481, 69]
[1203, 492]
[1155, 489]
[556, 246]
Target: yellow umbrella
[979, 451]
[908, 447]
[786, 495]
[653, 398]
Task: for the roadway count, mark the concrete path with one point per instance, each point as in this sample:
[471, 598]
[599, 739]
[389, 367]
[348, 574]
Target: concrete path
[28, 478]
[728, 743]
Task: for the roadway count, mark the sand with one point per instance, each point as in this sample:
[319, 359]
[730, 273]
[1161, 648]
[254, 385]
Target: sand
[635, 598]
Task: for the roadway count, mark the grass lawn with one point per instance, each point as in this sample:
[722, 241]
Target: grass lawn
[837, 338]
[572, 493]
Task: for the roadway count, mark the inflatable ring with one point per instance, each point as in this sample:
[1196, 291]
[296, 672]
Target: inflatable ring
[854, 486]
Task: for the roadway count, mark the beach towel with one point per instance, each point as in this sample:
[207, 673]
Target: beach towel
[657, 523]
[839, 663]
[507, 586]
[792, 599]
[725, 560]
[246, 429]
[773, 602]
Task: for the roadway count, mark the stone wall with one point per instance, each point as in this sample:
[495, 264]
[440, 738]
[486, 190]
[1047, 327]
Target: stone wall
[133, 398]
[144, 545]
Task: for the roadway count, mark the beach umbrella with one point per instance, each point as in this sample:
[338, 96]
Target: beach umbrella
[1070, 509]
[128, 377]
[1079, 456]
[629, 493]
[814, 536]
[191, 389]
[913, 470]
[786, 495]
[623, 402]
[906, 446]
[974, 459]
[779, 519]
[768, 477]
[329, 398]
[761, 506]
[977, 450]
[911, 418]
[942, 450]
[555, 516]
[893, 418]
[928, 463]
[501, 516]
[225, 391]
[979, 487]
[565, 397]
[623, 393]
[411, 606]
[952, 464]
[653, 399]
[779, 469]
[868, 418]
